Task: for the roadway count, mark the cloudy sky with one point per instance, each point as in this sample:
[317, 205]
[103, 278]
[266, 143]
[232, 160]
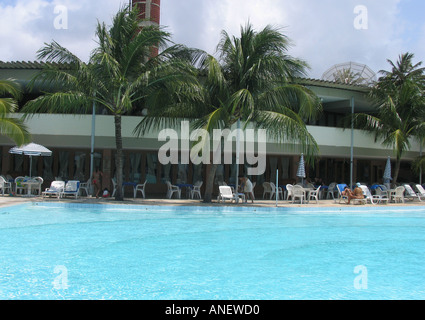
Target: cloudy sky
[324, 32]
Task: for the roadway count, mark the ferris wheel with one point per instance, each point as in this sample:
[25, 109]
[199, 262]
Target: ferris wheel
[350, 73]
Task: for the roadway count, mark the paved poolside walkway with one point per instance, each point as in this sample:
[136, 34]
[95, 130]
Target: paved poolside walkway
[8, 201]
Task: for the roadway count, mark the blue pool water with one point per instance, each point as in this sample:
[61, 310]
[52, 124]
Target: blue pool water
[49, 251]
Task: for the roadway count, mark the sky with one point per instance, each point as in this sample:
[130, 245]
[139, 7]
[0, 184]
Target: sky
[323, 32]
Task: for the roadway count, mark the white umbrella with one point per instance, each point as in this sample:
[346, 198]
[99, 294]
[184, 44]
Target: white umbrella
[301, 169]
[31, 150]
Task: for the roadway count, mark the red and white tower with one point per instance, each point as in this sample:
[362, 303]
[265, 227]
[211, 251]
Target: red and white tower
[149, 11]
[149, 15]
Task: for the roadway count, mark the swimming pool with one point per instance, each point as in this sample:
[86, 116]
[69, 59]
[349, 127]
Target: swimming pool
[53, 251]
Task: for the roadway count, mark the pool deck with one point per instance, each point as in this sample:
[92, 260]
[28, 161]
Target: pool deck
[7, 200]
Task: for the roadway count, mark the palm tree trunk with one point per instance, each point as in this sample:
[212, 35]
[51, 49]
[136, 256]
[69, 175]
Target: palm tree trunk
[118, 159]
[210, 183]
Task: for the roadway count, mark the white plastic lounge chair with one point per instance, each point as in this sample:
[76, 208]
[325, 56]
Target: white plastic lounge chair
[196, 190]
[381, 190]
[4, 185]
[171, 189]
[55, 189]
[314, 195]
[341, 197]
[72, 188]
[398, 194]
[298, 192]
[226, 193]
[411, 195]
[141, 188]
[374, 199]
[421, 191]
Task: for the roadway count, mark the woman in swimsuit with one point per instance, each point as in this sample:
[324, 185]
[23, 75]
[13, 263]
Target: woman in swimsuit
[96, 181]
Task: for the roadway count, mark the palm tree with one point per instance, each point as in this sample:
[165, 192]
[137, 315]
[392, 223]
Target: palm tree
[11, 127]
[252, 81]
[121, 74]
[400, 100]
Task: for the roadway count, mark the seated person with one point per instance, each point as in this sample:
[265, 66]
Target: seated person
[356, 194]
[246, 188]
[346, 191]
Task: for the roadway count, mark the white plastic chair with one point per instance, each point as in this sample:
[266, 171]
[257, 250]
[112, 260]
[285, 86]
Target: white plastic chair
[18, 185]
[398, 194]
[141, 188]
[4, 185]
[279, 190]
[289, 194]
[114, 187]
[314, 194]
[86, 186]
[171, 189]
[298, 192]
[196, 190]
[267, 189]
[331, 190]
[38, 187]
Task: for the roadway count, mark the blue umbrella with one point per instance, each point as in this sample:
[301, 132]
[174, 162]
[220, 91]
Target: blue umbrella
[387, 172]
[301, 168]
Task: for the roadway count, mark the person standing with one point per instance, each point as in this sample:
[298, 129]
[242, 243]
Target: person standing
[96, 180]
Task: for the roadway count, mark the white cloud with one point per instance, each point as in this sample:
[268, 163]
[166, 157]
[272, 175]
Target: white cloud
[16, 29]
[28, 24]
[323, 31]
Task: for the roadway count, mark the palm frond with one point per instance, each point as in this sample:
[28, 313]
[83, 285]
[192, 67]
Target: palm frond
[15, 129]
[288, 128]
[7, 106]
[55, 53]
[10, 87]
[59, 102]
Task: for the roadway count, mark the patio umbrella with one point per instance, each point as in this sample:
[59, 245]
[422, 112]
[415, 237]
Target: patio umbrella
[31, 150]
[301, 169]
[387, 173]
